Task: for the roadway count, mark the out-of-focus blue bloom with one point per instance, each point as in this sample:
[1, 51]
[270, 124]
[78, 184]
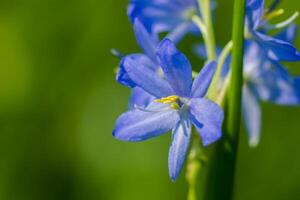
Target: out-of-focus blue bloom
[172, 16]
[178, 102]
[264, 80]
[276, 49]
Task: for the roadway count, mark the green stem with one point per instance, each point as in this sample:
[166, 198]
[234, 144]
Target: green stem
[196, 159]
[220, 168]
[236, 82]
[206, 14]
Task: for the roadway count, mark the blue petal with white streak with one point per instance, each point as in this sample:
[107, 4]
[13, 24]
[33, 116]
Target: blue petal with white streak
[181, 136]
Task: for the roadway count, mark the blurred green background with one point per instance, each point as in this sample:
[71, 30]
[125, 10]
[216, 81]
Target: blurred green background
[59, 102]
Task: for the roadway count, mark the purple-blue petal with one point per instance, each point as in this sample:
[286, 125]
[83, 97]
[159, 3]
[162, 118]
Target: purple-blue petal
[288, 34]
[208, 117]
[181, 136]
[140, 98]
[254, 13]
[147, 42]
[138, 125]
[278, 87]
[123, 78]
[203, 80]
[138, 70]
[161, 16]
[252, 115]
[276, 49]
[176, 67]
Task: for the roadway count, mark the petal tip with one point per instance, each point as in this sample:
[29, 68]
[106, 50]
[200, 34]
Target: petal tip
[173, 176]
[253, 142]
[212, 140]
[165, 44]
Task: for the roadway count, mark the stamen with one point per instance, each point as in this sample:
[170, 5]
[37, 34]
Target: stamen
[273, 14]
[287, 22]
[167, 100]
[274, 5]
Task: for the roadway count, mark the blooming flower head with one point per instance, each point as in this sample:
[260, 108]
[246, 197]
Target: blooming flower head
[256, 20]
[178, 102]
[173, 16]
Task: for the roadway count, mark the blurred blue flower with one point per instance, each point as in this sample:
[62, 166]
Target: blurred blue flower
[172, 16]
[276, 49]
[178, 102]
[264, 80]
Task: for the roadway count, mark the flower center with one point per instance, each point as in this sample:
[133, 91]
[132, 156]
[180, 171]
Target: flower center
[174, 101]
[167, 100]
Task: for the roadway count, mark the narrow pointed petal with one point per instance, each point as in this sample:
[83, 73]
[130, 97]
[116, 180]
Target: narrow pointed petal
[180, 144]
[147, 42]
[203, 80]
[137, 125]
[177, 68]
[140, 98]
[252, 116]
[288, 34]
[208, 117]
[141, 73]
[289, 93]
[278, 50]
[254, 13]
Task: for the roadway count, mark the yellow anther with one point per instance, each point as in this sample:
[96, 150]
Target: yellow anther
[273, 14]
[167, 100]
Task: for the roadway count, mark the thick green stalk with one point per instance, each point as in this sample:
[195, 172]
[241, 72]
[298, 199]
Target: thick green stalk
[220, 169]
[236, 82]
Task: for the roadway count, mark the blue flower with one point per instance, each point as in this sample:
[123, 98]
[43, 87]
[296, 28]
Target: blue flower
[173, 16]
[277, 49]
[264, 80]
[178, 102]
